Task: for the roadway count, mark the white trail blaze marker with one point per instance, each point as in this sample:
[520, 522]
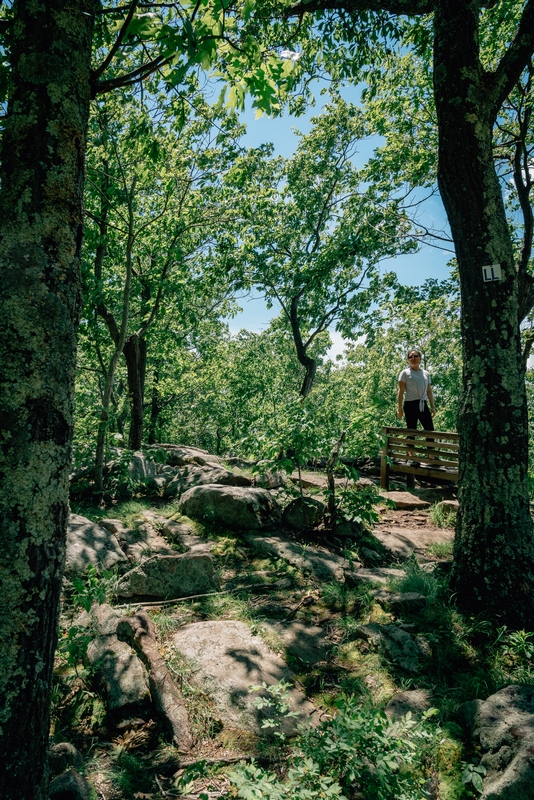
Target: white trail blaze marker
[492, 273]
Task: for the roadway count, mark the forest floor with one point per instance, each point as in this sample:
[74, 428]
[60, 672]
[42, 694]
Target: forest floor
[461, 663]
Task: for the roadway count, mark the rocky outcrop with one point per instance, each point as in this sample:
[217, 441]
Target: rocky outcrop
[121, 673]
[403, 649]
[90, 544]
[503, 726]
[233, 506]
[227, 660]
[179, 575]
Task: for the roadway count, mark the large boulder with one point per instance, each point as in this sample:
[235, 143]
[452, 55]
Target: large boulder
[227, 660]
[144, 541]
[90, 544]
[189, 476]
[179, 455]
[503, 726]
[233, 506]
[304, 513]
[122, 674]
[142, 469]
[179, 575]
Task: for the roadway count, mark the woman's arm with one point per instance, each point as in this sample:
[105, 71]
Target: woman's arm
[400, 395]
[431, 400]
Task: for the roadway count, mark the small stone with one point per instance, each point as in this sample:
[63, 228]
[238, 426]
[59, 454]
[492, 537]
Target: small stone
[405, 500]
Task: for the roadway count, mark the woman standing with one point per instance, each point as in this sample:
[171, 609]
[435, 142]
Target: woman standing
[416, 383]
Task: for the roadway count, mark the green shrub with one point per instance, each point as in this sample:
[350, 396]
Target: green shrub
[359, 749]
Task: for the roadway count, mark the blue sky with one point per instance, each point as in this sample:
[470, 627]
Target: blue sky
[411, 269]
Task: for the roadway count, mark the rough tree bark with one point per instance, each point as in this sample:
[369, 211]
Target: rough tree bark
[41, 218]
[135, 354]
[494, 548]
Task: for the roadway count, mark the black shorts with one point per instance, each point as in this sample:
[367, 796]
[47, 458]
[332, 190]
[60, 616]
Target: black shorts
[412, 415]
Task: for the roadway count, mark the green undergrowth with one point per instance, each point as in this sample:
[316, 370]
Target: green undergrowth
[467, 658]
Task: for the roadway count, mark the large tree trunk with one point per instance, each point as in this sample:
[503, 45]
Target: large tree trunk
[494, 548]
[155, 408]
[135, 354]
[43, 147]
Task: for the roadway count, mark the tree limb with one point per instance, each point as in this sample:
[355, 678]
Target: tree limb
[407, 7]
[514, 61]
[138, 631]
[118, 41]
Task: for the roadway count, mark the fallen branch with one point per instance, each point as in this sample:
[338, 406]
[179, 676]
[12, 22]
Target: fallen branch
[138, 631]
[158, 603]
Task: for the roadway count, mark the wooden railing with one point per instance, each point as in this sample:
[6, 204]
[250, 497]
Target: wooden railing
[430, 454]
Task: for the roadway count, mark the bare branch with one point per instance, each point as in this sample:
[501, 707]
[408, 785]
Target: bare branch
[407, 7]
[514, 61]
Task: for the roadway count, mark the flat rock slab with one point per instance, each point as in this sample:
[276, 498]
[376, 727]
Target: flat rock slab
[307, 642]
[229, 659]
[234, 506]
[403, 649]
[179, 575]
[144, 541]
[406, 500]
[408, 602]
[403, 542]
[504, 726]
[122, 673]
[323, 565]
[183, 534]
[90, 544]
[358, 577]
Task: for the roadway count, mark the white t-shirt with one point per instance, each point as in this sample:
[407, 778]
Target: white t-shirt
[417, 382]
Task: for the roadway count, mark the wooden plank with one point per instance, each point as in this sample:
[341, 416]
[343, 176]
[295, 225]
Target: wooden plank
[430, 449]
[442, 446]
[384, 470]
[437, 462]
[418, 456]
[411, 432]
[447, 475]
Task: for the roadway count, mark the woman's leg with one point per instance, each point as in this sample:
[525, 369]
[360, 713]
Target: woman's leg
[427, 422]
[411, 412]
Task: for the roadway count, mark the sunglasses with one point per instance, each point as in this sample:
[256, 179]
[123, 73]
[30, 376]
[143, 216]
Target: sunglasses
[410, 358]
